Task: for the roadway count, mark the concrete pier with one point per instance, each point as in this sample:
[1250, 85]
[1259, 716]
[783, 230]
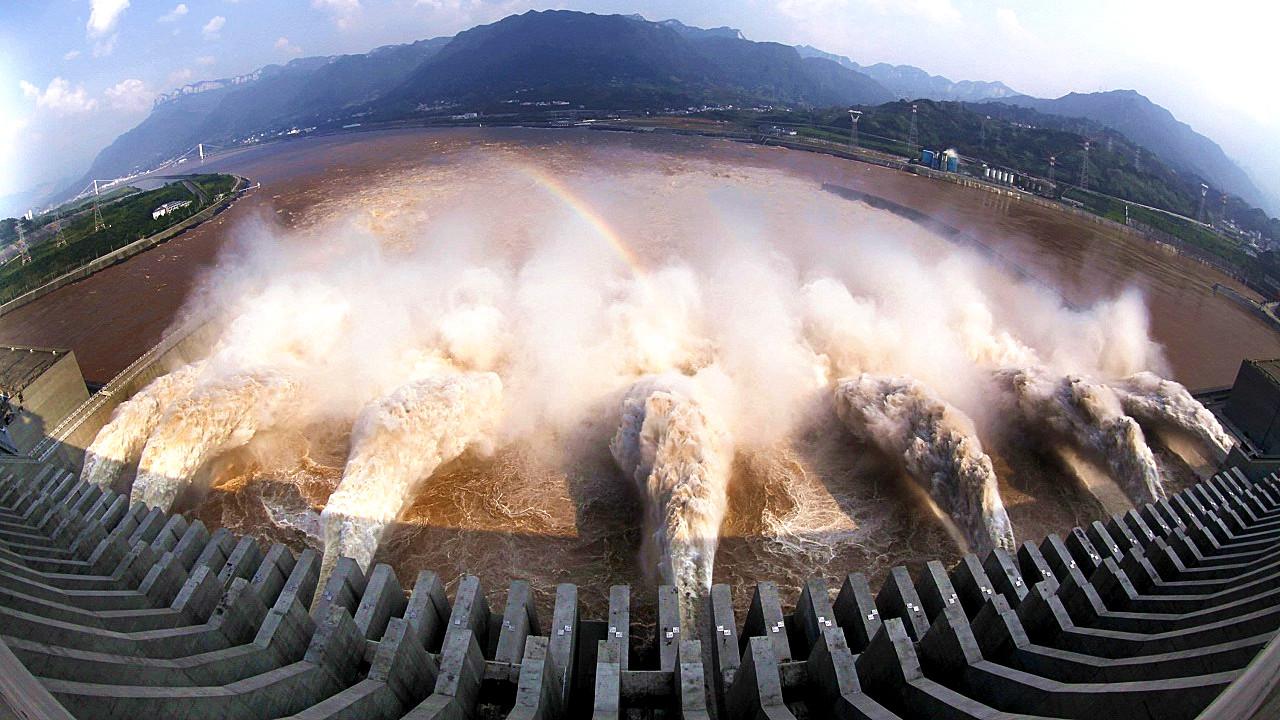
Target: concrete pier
[109, 611]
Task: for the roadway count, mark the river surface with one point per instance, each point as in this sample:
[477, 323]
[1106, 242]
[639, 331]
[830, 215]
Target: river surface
[554, 517]
[110, 318]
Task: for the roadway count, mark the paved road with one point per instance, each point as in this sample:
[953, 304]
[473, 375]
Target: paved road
[195, 190]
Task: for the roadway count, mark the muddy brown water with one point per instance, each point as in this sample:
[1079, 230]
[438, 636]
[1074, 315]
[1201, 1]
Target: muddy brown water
[112, 317]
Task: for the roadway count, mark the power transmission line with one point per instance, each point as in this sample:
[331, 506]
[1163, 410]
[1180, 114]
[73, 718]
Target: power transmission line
[912, 135]
[1084, 168]
[60, 238]
[98, 224]
[24, 255]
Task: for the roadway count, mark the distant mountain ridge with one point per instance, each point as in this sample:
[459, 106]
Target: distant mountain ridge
[587, 60]
[603, 62]
[279, 96]
[698, 33]
[620, 62]
[1125, 111]
[907, 82]
[201, 86]
[1156, 129]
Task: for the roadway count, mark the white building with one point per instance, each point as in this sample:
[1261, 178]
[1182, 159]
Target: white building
[169, 207]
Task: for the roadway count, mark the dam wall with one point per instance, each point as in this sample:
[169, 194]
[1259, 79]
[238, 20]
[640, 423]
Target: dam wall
[65, 443]
[117, 612]
[45, 386]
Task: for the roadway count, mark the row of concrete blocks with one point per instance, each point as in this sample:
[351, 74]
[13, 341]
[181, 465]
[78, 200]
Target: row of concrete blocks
[1153, 612]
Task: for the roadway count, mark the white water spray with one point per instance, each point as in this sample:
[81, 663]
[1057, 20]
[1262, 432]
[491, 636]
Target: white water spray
[217, 416]
[396, 442]
[120, 442]
[1151, 399]
[1091, 416]
[679, 455]
[938, 447]
[747, 271]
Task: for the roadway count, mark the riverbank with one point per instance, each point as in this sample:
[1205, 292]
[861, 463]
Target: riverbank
[112, 317]
[1258, 309]
[124, 253]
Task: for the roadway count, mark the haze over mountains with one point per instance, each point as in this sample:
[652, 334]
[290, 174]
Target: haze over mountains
[565, 59]
[910, 83]
[1156, 129]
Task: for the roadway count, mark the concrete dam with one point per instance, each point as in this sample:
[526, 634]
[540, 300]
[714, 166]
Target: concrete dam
[416, 457]
[116, 610]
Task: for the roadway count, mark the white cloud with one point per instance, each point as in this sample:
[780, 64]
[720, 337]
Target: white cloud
[935, 11]
[284, 46]
[103, 15]
[59, 97]
[341, 6]
[71, 55]
[343, 11]
[206, 60]
[1009, 24]
[12, 174]
[105, 46]
[941, 12]
[130, 95]
[180, 76]
[214, 26]
[175, 14]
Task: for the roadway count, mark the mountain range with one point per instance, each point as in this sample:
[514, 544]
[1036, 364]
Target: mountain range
[574, 60]
[1156, 129]
[911, 83]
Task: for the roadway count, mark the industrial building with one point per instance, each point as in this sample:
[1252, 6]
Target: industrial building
[946, 161]
[169, 207]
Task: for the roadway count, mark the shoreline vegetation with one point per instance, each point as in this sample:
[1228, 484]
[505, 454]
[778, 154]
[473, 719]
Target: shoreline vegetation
[1123, 182]
[1201, 242]
[79, 249]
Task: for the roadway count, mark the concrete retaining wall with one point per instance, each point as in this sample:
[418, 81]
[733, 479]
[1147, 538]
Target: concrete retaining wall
[64, 444]
[47, 401]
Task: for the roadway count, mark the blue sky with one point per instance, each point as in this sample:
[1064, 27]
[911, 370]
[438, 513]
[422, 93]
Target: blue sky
[74, 74]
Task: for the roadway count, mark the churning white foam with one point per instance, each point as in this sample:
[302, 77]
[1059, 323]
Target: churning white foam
[678, 454]
[119, 443]
[396, 442]
[743, 296]
[937, 445]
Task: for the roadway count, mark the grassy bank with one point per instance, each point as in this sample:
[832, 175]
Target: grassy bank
[127, 218]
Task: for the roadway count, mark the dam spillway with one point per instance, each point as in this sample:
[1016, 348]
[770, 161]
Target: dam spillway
[118, 611]
[795, 516]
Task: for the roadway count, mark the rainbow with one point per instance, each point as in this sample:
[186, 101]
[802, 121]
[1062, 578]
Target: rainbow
[586, 213]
